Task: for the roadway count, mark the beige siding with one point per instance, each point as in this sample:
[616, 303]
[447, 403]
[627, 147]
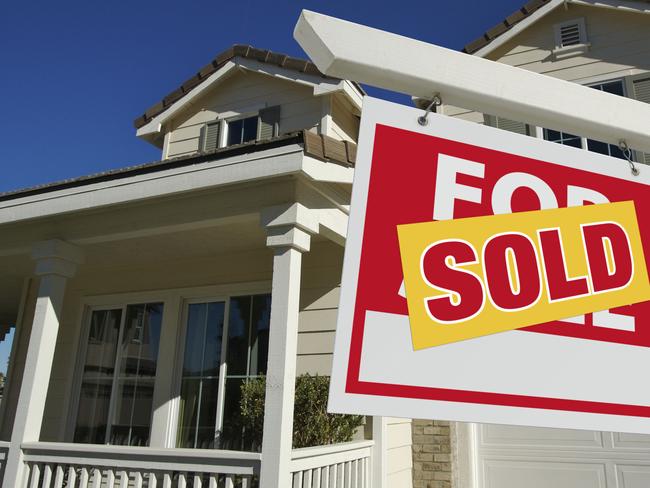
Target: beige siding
[620, 47]
[319, 304]
[345, 125]
[399, 458]
[244, 92]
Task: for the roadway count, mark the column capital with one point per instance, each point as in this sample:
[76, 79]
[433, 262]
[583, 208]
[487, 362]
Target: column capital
[289, 225]
[56, 257]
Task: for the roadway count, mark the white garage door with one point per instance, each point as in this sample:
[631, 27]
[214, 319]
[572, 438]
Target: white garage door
[529, 457]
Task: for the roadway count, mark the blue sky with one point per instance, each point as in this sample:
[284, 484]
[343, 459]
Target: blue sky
[76, 73]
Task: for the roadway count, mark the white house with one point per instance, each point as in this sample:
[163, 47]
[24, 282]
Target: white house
[143, 297]
[604, 44]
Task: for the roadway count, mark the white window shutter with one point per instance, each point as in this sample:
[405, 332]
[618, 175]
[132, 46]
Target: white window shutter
[642, 94]
[269, 122]
[210, 136]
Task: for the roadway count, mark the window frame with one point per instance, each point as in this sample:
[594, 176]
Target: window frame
[223, 367]
[86, 322]
[164, 420]
[225, 127]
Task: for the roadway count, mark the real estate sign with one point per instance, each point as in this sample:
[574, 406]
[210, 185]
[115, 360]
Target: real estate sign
[492, 277]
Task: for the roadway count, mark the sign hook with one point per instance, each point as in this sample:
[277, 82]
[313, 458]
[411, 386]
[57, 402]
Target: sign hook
[436, 101]
[627, 152]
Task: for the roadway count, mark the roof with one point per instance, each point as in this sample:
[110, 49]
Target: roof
[316, 145]
[533, 6]
[237, 50]
[505, 25]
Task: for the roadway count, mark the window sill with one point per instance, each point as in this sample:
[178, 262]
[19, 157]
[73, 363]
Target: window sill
[570, 51]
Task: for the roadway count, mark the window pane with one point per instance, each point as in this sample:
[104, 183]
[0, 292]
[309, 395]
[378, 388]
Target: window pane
[562, 138]
[250, 129]
[604, 148]
[97, 376]
[261, 315]
[238, 326]
[131, 420]
[200, 382]
[198, 412]
[231, 434]
[235, 132]
[614, 87]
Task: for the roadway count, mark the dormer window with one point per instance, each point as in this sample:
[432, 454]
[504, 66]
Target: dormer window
[241, 129]
[570, 38]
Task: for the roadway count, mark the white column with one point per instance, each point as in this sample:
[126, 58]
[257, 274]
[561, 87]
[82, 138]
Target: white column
[56, 261]
[289, 230]
[379, 452]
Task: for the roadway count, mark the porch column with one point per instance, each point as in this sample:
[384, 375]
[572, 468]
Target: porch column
[289, 234]
[56, 261]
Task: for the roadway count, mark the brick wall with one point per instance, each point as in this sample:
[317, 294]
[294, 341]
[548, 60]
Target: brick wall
[431, 454]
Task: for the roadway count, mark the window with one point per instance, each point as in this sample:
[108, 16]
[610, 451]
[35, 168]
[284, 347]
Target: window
[226, 342]
[261, 126]
[242, 130]
[570, 38]
[616, 87]
[119, 371]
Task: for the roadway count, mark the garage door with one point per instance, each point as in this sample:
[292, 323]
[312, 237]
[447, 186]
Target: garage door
[529, 457]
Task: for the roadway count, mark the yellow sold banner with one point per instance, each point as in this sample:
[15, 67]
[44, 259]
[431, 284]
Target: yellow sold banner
[470, 277]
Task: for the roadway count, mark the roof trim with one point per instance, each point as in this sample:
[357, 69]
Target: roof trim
[236, 51]
[534, 11]
[316, 145]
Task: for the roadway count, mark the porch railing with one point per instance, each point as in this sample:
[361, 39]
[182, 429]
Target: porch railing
[345, 465]
[58, 465]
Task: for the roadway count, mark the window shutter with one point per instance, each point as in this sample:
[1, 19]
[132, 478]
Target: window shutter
[211, 136]
[508, 124]
[642, 94]
[269, 125]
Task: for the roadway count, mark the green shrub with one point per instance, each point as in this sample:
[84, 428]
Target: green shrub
[312, 425]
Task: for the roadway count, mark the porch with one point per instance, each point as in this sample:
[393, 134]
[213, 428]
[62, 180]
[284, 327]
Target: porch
[145, 317]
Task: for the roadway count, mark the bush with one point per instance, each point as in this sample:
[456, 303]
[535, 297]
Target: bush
[312, 425]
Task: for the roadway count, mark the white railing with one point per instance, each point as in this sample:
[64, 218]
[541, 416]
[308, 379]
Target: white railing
[58, 465]
[345, 465]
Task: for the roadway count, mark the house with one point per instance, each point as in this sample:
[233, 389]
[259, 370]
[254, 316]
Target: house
[143, 297]
[604, 44]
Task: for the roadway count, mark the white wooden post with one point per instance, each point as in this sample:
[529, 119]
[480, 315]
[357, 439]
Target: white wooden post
[379, 452]
[56, 261]
[289, 229]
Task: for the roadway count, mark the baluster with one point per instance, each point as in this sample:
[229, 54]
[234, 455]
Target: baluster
[197, 481]
[325, 482]
[246, 481]
[35, 476]
[355, 474]
[307, 478]
[213, 481]
[335, 475]
[182, 481]
[124, 479]
[297, 479]
[58, 477]
[83, 479]
[96, 478]
[230, 481]
[167, 480]
[316, 482]
[47, 476]
[348, 474]
[72, 477]
[110, 478]
[362, 473]
[137, 479]
[153, 480]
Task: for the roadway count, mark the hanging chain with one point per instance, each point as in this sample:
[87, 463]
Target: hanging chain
[436, 101]
[627, 152]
